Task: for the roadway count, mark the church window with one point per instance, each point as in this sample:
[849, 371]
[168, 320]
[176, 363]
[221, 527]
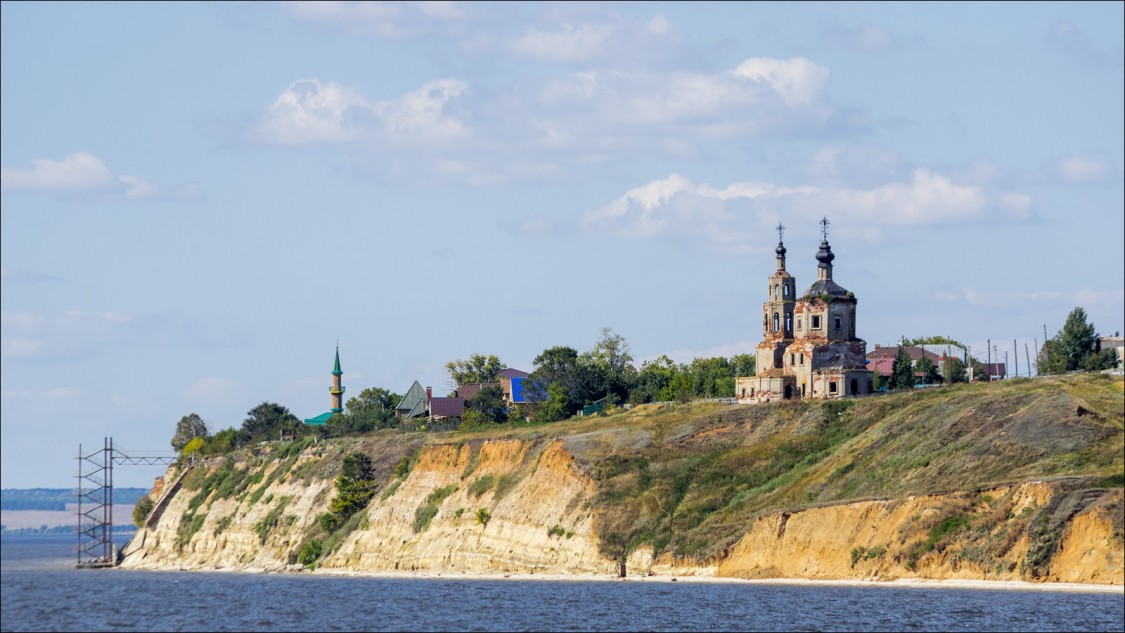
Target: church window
[832, 386]
[788, 323]
[837, 323]
[792, 359]
[798, 323]
[776, 291]
[816, 322]
[785, 290]
[802, 359]
[776, 322]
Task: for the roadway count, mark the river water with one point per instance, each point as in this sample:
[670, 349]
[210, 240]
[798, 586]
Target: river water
[41, 590]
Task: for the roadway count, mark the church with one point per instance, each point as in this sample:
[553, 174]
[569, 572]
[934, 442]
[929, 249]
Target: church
[809, 348]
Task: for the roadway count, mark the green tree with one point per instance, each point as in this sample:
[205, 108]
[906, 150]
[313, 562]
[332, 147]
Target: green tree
[555, 366]
[653, 381]
[744, 364]
[190, 426]
[487, 406]
[557, 405]
[266, 420]
[1077, 340]
[142, 509]
[373, 408]
[902, 372]
[607, 369]
[478, 368]
[355, 486]
[955, 370]
[928, 369]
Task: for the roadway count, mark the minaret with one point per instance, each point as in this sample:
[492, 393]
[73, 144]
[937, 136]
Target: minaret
[337, 390]
[824, 256]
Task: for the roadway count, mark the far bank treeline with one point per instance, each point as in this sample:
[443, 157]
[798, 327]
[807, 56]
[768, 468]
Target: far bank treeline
[565, 380]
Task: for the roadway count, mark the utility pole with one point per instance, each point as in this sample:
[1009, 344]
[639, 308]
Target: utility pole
[1046, 347]
[1027, 356]
[1016, 356]
[988, 370]
[1035, 342]
[1005, 363]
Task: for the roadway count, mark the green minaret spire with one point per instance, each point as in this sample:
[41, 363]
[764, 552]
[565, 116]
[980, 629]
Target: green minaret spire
[337, 389]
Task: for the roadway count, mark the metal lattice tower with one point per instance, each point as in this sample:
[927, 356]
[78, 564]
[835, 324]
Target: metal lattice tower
[95, 501]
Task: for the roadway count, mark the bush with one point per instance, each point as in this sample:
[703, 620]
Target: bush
[310, 553]
[481, 485]
[328, 522]
[483, 516]
[142, 509]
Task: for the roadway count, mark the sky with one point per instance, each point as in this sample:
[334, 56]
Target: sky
[200, 200]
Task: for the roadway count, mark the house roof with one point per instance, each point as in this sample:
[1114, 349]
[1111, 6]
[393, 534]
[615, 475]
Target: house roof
[447, 407]
[320, 419]
[995, 369]
[914, 352]
[413, 404]
[882, 366]
[512, 373]
[839, 359]
[471, 389]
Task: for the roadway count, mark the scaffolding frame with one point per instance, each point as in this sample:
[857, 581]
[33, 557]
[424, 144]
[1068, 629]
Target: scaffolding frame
[95, 501]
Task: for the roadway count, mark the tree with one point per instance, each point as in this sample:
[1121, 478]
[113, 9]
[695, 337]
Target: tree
[955, 370]
[190, 426]
[266, 420]
[928, 370]
[744, 364]
[479, 368]
[373, 408]
[607, 369]
[355, 486]
[1077, 339]
[653, 381]
[554, 365]
[557, 405]
[487, 406]
[902, 372]
[142, 509]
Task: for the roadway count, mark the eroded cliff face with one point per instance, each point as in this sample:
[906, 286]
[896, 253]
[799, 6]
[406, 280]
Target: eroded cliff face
[522, 506]
[1006, 533]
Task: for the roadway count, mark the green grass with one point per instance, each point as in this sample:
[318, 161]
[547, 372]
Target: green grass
[429, 508]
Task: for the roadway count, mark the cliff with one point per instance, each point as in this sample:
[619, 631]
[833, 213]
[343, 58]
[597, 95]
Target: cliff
[1020, 480]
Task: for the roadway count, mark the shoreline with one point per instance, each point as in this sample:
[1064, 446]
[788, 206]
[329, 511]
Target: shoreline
[913, 583]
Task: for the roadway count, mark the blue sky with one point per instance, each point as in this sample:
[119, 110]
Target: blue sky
[200, 199]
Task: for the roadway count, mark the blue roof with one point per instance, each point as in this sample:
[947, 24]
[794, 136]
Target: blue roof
[517, 389]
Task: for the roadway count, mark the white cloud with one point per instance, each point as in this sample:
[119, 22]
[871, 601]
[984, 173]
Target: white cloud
[730, 217]
[798, 80]
[443, 131]
[1085, 169]
[568, 43]
[309, 112]
[84, 174]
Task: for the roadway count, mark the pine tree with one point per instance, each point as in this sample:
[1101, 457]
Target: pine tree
[902, 372]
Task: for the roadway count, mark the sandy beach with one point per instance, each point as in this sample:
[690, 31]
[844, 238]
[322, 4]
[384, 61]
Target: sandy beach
[921, 583]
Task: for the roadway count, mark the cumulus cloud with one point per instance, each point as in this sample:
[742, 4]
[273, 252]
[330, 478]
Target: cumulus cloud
[82, 174]
[730, 217]
[309, 112]
[583, 121]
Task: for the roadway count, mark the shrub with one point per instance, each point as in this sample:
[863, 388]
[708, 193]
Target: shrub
[426, 512]
[481, 485]
[142, 509]
[483, 516]
[310, 553]
[328, 522]
[556, 530]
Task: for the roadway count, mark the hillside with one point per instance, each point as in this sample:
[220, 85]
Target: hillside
[1014, 480]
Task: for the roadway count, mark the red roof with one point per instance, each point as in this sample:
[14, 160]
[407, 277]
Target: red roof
[915, 353]
[882, 366]
[447, 407]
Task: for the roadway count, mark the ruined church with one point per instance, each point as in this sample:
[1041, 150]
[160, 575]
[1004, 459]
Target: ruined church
[809, 348]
